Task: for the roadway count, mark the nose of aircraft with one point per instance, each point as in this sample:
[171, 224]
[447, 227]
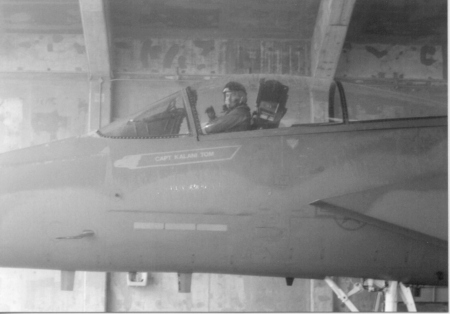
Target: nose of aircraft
[36, 185]
[53, 165]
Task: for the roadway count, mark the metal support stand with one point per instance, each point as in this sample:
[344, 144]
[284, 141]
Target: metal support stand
[378, 301]
[407, 298]
[391, 297]
[341, 295]
[390, 292]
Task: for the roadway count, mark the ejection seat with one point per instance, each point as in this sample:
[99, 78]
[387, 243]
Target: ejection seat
[270, 105]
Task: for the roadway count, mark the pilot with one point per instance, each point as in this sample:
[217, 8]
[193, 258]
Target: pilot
[237, 116]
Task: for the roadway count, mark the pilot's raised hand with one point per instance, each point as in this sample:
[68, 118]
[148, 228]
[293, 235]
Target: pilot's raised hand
[211, 114]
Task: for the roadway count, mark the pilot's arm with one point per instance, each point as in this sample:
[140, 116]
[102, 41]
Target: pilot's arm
[230, 122]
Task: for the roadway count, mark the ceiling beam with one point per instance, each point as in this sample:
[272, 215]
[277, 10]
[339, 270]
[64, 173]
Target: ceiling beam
[96, 37]
[97, 43]
[329, 36]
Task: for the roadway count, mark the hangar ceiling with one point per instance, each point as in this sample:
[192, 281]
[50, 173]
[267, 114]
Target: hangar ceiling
[371, 20]
[399, 21]
[323, 25]
[234, 18]
[41, 16]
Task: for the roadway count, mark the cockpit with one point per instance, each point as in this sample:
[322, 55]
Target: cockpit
[276, 102]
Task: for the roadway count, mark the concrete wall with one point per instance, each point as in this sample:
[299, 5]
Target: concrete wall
[210, 56]
[36, 111]
[31, 290]
[47, 53]
[395, 61]
[39, 290]
[217, 293]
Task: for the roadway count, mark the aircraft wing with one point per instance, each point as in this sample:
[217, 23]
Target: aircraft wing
[416, 208]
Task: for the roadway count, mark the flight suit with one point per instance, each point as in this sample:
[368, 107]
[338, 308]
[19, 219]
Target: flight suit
[235, 120]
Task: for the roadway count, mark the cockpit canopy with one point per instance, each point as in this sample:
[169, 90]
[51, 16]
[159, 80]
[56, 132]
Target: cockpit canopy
[307, 101]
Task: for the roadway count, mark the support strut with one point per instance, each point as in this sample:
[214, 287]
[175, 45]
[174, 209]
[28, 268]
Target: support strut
[407, 298]
[341, 294]
[390, 290]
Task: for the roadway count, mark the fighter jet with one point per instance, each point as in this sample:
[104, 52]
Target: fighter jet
[328, 179]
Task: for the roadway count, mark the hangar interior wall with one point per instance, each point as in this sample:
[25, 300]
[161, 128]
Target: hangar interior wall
[32, 114]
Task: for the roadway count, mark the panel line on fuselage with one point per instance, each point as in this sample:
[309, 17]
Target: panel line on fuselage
[180, 226]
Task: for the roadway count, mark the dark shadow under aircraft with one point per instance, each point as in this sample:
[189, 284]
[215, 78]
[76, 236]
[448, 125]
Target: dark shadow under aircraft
[331, 179]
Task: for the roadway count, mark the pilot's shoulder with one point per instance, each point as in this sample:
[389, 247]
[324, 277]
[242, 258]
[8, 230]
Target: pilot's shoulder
[242, 109]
